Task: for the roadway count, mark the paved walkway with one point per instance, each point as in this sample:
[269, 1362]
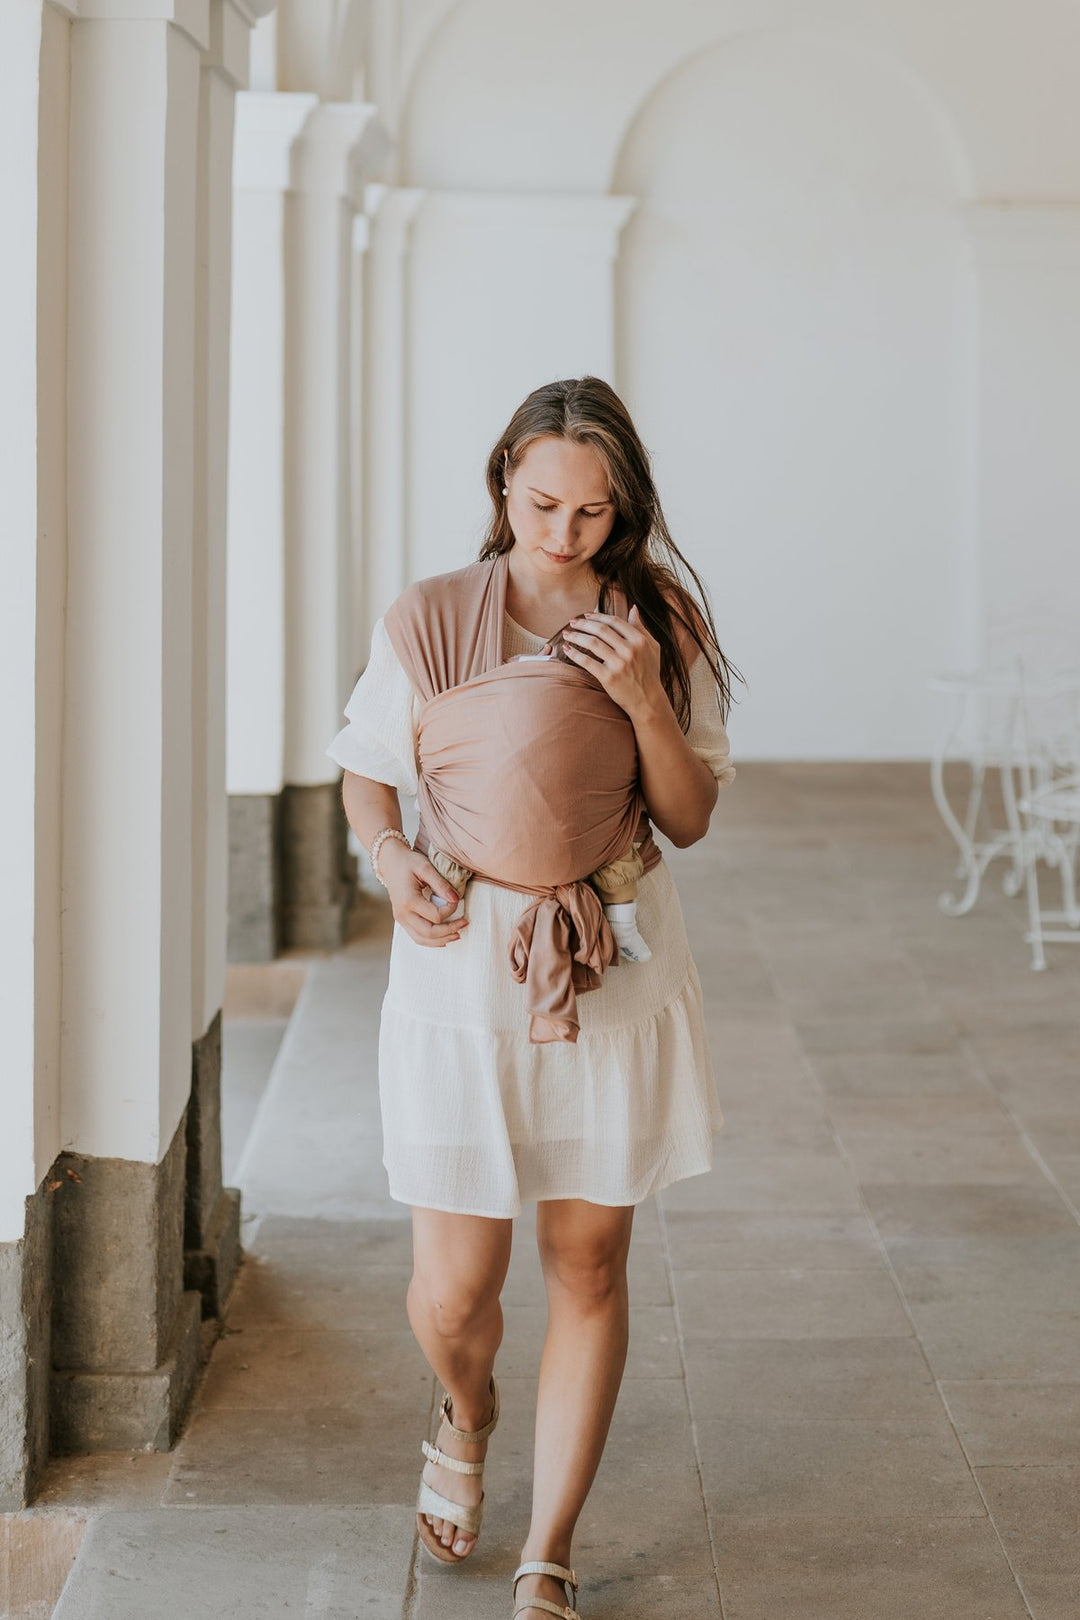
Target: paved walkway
[853, 1389]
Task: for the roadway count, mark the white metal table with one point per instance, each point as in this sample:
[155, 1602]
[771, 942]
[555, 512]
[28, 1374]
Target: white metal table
[991, 702]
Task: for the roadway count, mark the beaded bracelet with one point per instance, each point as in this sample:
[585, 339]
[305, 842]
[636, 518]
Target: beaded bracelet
[376, 845]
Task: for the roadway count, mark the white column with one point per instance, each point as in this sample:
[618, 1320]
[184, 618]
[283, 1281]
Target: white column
[337, 143]
[119, 129]
[34, 73]
[33, 68]
[128, 739]
[1027, 466]
[298, 177]
[267, 128]
[386, 565]
[224, 70]
[507, 292]
[358, 643]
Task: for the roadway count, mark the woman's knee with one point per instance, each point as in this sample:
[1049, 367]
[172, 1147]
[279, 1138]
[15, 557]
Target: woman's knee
[591, 1273]
[459, 1265]
[454, 1305]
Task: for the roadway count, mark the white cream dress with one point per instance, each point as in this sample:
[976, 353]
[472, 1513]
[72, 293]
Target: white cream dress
[476, 1118]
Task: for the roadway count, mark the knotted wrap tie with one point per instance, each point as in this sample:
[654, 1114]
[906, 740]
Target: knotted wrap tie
[561, 944]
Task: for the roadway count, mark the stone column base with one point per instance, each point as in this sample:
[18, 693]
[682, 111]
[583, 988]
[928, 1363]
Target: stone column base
[318, 873]
[292, 879]
[211, 1270]
[130, 1410]
[25, 1288]
[125, 1335]
[211, 1212]
[120, 1264]
[255, 933]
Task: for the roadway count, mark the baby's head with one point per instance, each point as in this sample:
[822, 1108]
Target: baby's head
[555, 650]
[557, 647]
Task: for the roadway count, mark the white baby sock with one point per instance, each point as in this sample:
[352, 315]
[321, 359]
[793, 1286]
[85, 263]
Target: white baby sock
[623, 920]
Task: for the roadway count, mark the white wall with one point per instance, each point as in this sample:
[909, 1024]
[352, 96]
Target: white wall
[1029, 416]
[505, 292]
[794, 303]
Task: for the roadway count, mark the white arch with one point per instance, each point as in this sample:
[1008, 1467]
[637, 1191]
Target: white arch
[938, 113]
[320, 45]
[421, 27]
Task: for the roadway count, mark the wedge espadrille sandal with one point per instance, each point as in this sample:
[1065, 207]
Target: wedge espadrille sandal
[539, 1566]
[466, 1517]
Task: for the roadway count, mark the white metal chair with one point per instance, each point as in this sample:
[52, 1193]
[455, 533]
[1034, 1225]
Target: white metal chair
[1050, 805]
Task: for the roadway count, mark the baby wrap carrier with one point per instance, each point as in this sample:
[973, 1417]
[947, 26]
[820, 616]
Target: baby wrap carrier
[527, 774]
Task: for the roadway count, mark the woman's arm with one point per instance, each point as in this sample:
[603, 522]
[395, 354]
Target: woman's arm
[370, 806]
[678, 787]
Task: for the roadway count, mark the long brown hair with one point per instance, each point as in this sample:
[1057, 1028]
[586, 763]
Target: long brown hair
[639, 554]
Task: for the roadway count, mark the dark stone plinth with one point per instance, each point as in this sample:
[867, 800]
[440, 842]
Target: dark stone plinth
[102, 1301]
[125, 1335]
[118, 1259]
[129, 1410]
[25, 1274]
[318, 873]
[211, 1212]
[210, 1270]
[255, 931]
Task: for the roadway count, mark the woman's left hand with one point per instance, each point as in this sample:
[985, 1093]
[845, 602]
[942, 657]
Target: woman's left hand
[622, 655]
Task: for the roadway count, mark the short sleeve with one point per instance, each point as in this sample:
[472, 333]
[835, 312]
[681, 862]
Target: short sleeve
[380, 738]
[706, 733]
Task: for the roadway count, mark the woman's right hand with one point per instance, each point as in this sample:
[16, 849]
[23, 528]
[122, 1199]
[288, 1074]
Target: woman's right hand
[408, 875]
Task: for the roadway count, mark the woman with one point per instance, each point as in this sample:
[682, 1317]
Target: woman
[477, 1118]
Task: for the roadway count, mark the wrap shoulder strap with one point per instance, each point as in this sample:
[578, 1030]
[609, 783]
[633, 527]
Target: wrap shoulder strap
[448, 628]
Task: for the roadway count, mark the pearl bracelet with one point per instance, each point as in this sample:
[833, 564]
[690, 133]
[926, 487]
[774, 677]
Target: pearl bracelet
[376, 845]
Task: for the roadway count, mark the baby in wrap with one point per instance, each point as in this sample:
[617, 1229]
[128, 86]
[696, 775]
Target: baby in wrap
[616, 882]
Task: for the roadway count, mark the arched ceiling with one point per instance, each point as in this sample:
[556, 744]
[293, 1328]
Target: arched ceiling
[562, 83]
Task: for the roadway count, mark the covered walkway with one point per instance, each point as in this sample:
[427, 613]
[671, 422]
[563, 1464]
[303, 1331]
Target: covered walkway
[853, 1388]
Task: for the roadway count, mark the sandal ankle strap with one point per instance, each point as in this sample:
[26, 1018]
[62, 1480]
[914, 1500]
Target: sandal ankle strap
[471, 1434]
[444, 1461]
[566, 1613]
[541, 1566]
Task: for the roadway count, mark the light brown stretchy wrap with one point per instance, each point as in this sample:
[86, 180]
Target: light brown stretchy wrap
[527, 774]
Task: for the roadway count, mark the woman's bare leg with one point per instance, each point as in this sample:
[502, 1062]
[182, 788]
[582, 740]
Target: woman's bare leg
[459, 1267]
[583, 1248]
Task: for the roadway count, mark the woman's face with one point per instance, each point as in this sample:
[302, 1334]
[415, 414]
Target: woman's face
[559, 506]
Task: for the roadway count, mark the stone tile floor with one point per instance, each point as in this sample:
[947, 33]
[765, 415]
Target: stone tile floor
[853, 1390]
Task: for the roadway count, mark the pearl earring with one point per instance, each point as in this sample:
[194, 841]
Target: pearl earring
[505, 490]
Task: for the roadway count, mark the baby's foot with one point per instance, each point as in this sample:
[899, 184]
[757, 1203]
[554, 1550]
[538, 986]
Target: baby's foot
[623, 920]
